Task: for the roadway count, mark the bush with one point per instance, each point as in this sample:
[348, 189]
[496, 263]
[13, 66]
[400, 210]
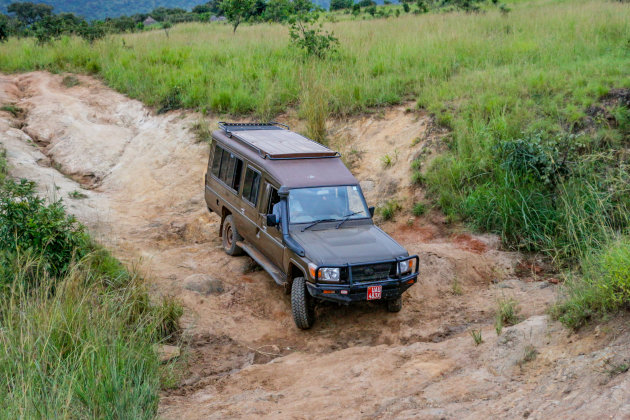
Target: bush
[27, 224]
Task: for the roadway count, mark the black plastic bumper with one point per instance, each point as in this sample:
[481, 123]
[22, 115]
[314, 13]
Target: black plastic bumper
[357, 292]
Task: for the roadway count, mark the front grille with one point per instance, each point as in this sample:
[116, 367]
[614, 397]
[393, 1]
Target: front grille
[372, 272]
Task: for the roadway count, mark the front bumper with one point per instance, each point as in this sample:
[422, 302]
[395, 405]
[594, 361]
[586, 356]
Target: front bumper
[357, 292]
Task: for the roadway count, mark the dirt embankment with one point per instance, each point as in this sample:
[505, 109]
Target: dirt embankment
[141, 176]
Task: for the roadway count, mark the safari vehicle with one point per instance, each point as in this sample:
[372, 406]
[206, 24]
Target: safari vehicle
[292, 205]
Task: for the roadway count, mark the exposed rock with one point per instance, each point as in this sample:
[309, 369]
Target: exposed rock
[167, 353]
[367, 185]
[203, 284]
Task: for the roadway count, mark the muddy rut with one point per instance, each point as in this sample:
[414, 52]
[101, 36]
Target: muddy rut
[141, 176]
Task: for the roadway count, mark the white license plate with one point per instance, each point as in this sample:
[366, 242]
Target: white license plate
[374, 292]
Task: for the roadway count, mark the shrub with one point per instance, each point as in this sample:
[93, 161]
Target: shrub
[27, 223]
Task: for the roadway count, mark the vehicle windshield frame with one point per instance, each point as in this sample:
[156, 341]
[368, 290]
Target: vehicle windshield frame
[337, 220]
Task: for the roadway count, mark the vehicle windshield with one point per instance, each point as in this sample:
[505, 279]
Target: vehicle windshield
[308, 205]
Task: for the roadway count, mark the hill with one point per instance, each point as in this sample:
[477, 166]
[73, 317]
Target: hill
[113, 8]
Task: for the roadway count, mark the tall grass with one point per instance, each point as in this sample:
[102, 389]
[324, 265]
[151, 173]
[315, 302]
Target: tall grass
[602, 287]
[487, 61]
[76, 340]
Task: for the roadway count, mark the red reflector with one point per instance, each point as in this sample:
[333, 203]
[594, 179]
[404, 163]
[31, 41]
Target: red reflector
[327, 292]
[412, 281]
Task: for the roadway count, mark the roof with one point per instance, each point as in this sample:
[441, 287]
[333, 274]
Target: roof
[292, 172]
[273, 141]
[150, 21]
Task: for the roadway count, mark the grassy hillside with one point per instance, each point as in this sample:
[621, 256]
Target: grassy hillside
[111, 8]
[535, 99]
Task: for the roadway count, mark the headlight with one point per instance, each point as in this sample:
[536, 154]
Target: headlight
[405, 266]
[325, 273]
[329, 274]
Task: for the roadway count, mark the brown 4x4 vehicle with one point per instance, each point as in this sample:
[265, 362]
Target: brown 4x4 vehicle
[293, 206]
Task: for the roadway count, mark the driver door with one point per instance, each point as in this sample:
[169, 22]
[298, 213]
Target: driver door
[270, 237]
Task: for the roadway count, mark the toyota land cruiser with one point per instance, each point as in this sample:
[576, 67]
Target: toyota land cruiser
[292, 205]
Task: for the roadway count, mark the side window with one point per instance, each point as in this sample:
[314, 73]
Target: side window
[251, 186]
[227, 167]
[273, 198]
[216, 161]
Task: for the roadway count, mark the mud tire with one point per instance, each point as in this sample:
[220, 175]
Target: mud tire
[394, 305]
[302, 304]
[230, 236]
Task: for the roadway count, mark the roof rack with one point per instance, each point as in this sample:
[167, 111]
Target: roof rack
[282, 144]
[230, 127]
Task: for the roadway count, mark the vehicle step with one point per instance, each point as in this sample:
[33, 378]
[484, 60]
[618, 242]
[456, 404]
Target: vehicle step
[264, 262]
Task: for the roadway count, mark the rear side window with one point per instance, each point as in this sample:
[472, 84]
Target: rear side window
[216, 161]
[227, 167]
[251, 186]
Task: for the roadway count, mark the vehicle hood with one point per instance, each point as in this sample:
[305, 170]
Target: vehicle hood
[357, 244]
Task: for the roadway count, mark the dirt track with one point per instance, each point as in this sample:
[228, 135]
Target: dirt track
[143, 177]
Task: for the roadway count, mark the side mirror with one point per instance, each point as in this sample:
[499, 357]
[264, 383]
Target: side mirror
[372, 209]
[272, 220]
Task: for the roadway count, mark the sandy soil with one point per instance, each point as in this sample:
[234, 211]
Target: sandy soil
[142, 176]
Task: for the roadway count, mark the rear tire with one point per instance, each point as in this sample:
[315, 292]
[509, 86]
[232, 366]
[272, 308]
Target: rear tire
[394, 305]
[302, 304]
[230, 236]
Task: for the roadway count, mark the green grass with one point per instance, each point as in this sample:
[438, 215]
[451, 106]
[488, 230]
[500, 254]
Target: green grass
[601, 288]
[77, 330]
[419, 209]
[389, 209]
[506, 314]
[14, 110]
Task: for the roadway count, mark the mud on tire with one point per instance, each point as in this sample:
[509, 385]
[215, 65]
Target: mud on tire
[394, 305]
[302, 304]
[230, 236]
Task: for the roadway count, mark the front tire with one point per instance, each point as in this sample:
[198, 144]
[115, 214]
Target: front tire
[230, 236]
[302, 304]
[394, 305]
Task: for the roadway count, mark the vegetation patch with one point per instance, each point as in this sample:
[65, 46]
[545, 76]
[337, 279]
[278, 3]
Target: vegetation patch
[602, 287]
[14, 110]
[506, 314]
[389, 209]
[78, 329]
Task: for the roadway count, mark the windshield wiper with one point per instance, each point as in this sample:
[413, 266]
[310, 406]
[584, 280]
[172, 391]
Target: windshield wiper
[316, 222]
[346, 217]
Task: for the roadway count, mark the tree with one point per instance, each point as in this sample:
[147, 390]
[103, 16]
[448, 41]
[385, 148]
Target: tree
[311, 38]
[237, 11]
[340, 4]
[166, 26]
[28, 13]
[4, 27]
[406, 7]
